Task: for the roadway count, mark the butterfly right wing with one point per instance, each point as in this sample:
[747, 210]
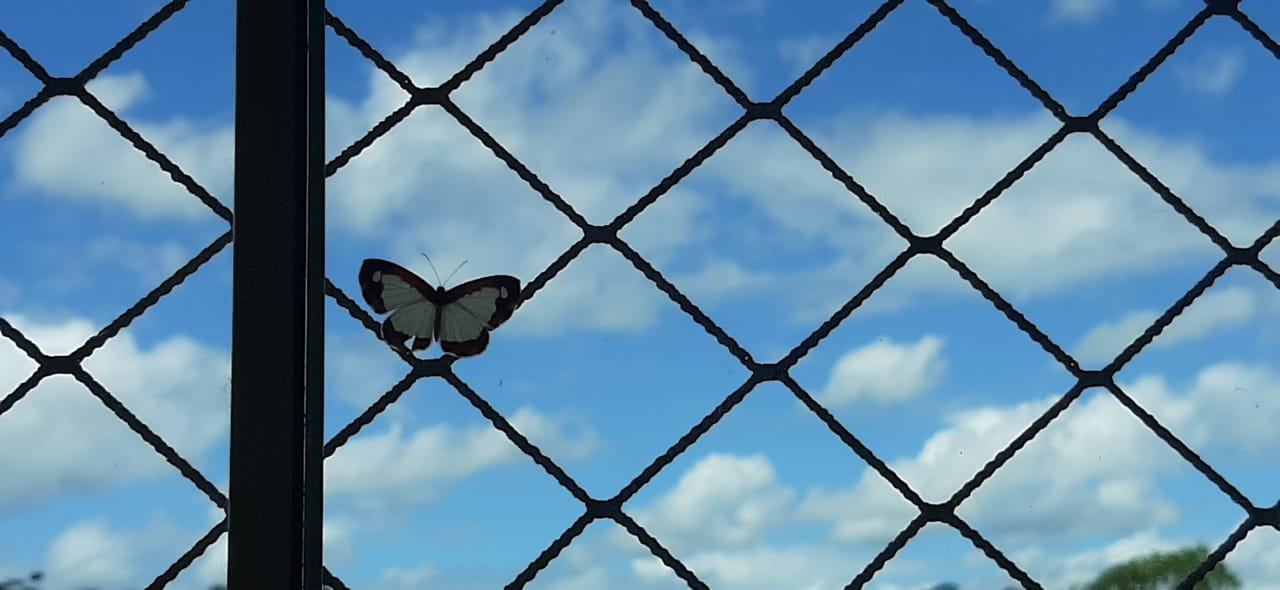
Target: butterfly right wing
[471, 309]
[389, 287]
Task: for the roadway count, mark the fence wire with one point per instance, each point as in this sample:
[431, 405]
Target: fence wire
[760, 372]
[73, 363]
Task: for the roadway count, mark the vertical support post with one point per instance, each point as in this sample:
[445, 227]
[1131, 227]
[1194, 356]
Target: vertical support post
[313, 427]
[278, 297]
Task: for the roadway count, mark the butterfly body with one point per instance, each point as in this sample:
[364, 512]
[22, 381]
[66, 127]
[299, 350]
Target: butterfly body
[460, 317]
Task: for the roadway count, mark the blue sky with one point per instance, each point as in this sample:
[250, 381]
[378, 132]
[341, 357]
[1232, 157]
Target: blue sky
[600, 369]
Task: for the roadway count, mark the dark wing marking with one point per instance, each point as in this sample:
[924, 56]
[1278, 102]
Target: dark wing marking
[466, 347]
[374, 289]
[389, 287]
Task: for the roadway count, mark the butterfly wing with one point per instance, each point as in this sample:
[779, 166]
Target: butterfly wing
[471, 309]
[389, 287]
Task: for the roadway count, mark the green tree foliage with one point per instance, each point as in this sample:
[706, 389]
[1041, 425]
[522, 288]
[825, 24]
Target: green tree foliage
[1161, 570]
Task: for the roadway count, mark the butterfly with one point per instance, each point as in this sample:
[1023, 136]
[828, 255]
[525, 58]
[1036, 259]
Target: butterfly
[460, 318]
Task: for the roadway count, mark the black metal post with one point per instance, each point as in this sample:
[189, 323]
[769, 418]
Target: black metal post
[277, 318]
[313, 427]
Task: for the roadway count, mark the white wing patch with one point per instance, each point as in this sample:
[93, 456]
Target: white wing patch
[416, 319]
[467, 317]
[411, 313]
[396, 293]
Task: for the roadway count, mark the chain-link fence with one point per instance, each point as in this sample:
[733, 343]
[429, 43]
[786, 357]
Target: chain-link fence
[761, 370]
[72, 364]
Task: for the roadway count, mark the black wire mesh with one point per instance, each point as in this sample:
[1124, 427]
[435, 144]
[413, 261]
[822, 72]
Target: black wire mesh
[762, 372]
[72, 363]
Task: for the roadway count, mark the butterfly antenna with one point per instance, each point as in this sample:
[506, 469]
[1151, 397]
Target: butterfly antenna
[455, 271]
[433, 269]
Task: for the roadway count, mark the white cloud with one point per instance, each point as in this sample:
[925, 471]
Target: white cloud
[97, 554]
[211, 569]
[885, 371]
[151, 262]
[571, 106]
[762, 163]
[595, 559]
[803, 52]
[599, 291]
[1057, 483]
[338, 534]
[1230, 404]
[1217, 309]
[1054, 230]
[804, 567]
[67, 151]
[373, 469]
[1104, 341]
[1094, 472]
[717, 519]
[589, 578]
[120, 91]
[864, 513]
[719, 278]
[405, 579]
[722, 501]
[579, 109]
[1193, 175]
[63, 440]
[1057, 228]
[1079, 11]
[1211, 72]
[564, 436]
[89, 554]
[393, 469]
[1257, 560]
[1058, 571]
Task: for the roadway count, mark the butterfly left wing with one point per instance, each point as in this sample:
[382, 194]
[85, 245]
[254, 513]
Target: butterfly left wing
[389, 287]
[469, 311]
